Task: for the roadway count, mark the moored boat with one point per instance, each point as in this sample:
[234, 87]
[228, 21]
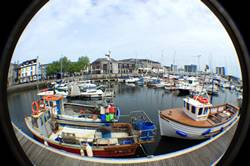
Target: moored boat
[78, 112]
[198, 119]
[90, 139]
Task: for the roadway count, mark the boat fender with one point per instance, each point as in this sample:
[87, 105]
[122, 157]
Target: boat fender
[45, 143]
[181, 133]
[82, 152]
[35, 110]
[221, 129]
[89, 150]
[206, 132]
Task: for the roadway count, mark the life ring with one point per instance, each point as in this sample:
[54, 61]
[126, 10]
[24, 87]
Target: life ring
[35, 111]
[41, 104]
[201, 99]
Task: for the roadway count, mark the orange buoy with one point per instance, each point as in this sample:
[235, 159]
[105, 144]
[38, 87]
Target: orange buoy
[35, 111]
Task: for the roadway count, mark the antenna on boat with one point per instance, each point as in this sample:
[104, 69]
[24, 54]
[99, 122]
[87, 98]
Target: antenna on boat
[206, 68]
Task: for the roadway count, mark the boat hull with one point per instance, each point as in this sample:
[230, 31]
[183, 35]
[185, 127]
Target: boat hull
[98, 151]
[119, 151]
[172, 128]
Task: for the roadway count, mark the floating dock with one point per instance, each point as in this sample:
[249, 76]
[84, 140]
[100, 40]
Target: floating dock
[205, 153]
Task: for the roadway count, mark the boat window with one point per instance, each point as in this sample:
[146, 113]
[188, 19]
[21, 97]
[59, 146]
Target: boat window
[187, 106]
[200, 111]
[41, 121]
[184, 104]
[34, 122]
[206, 110]
[48, 115]
[45, 118]
[193, 110]
[51, 103]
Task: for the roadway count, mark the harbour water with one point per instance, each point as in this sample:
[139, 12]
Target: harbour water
[128, 98]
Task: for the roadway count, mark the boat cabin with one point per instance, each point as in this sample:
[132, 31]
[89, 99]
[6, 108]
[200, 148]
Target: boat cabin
[197, 108]
[55, 104]
[42, 112]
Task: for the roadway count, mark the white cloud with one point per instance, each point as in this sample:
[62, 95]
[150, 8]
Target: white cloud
[142, 28]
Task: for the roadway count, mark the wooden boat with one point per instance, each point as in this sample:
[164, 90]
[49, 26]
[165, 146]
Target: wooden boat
[99, 140]
[78, 112]
[198, 119]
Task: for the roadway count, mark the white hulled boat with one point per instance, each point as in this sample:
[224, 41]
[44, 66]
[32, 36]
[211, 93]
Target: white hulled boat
[198, 119]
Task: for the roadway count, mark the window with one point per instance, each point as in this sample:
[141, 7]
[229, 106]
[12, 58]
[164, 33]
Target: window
[200, 111]
[41, 121]
[184, 104]
[193, 110]
[206, 110]
[187, 106]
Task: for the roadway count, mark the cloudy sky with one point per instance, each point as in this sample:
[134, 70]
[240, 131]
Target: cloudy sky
[168, 31]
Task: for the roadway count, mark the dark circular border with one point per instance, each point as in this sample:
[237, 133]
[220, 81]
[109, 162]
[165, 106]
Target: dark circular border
[214, 6]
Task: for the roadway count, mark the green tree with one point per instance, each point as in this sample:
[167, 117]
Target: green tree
[65, 62]
[53, 68]
[67, 65]
[82, 63]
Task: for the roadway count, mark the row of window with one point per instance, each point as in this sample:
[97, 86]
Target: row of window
[193, 109]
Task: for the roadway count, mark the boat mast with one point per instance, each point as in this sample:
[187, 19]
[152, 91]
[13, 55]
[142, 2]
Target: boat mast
[61, 66]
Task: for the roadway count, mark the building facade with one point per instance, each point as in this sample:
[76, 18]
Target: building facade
[29, 71]
[12, 74]
[125, 66]
[104, 66]
[190, 68]
[43, 71]
[173, 68]
[221, 71]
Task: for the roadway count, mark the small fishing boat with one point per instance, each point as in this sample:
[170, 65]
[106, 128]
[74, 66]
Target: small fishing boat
[88, 139]
[213, 90]
[198, 119]
[140, 82]
[130, 84]
[185, 87]
[109, 92]
[132, 80]
[155, 82]
[86, 90]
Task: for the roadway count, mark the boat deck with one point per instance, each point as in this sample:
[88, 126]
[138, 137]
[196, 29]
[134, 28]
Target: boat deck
[177, 115]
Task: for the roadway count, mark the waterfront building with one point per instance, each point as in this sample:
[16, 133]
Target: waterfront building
[190, 68]
[221, 71]
[29, 71]
[140, 66]
[104, 66]
[43, 71]
[12, 74]
[124, 66]
[166, 69]
[173, 68]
